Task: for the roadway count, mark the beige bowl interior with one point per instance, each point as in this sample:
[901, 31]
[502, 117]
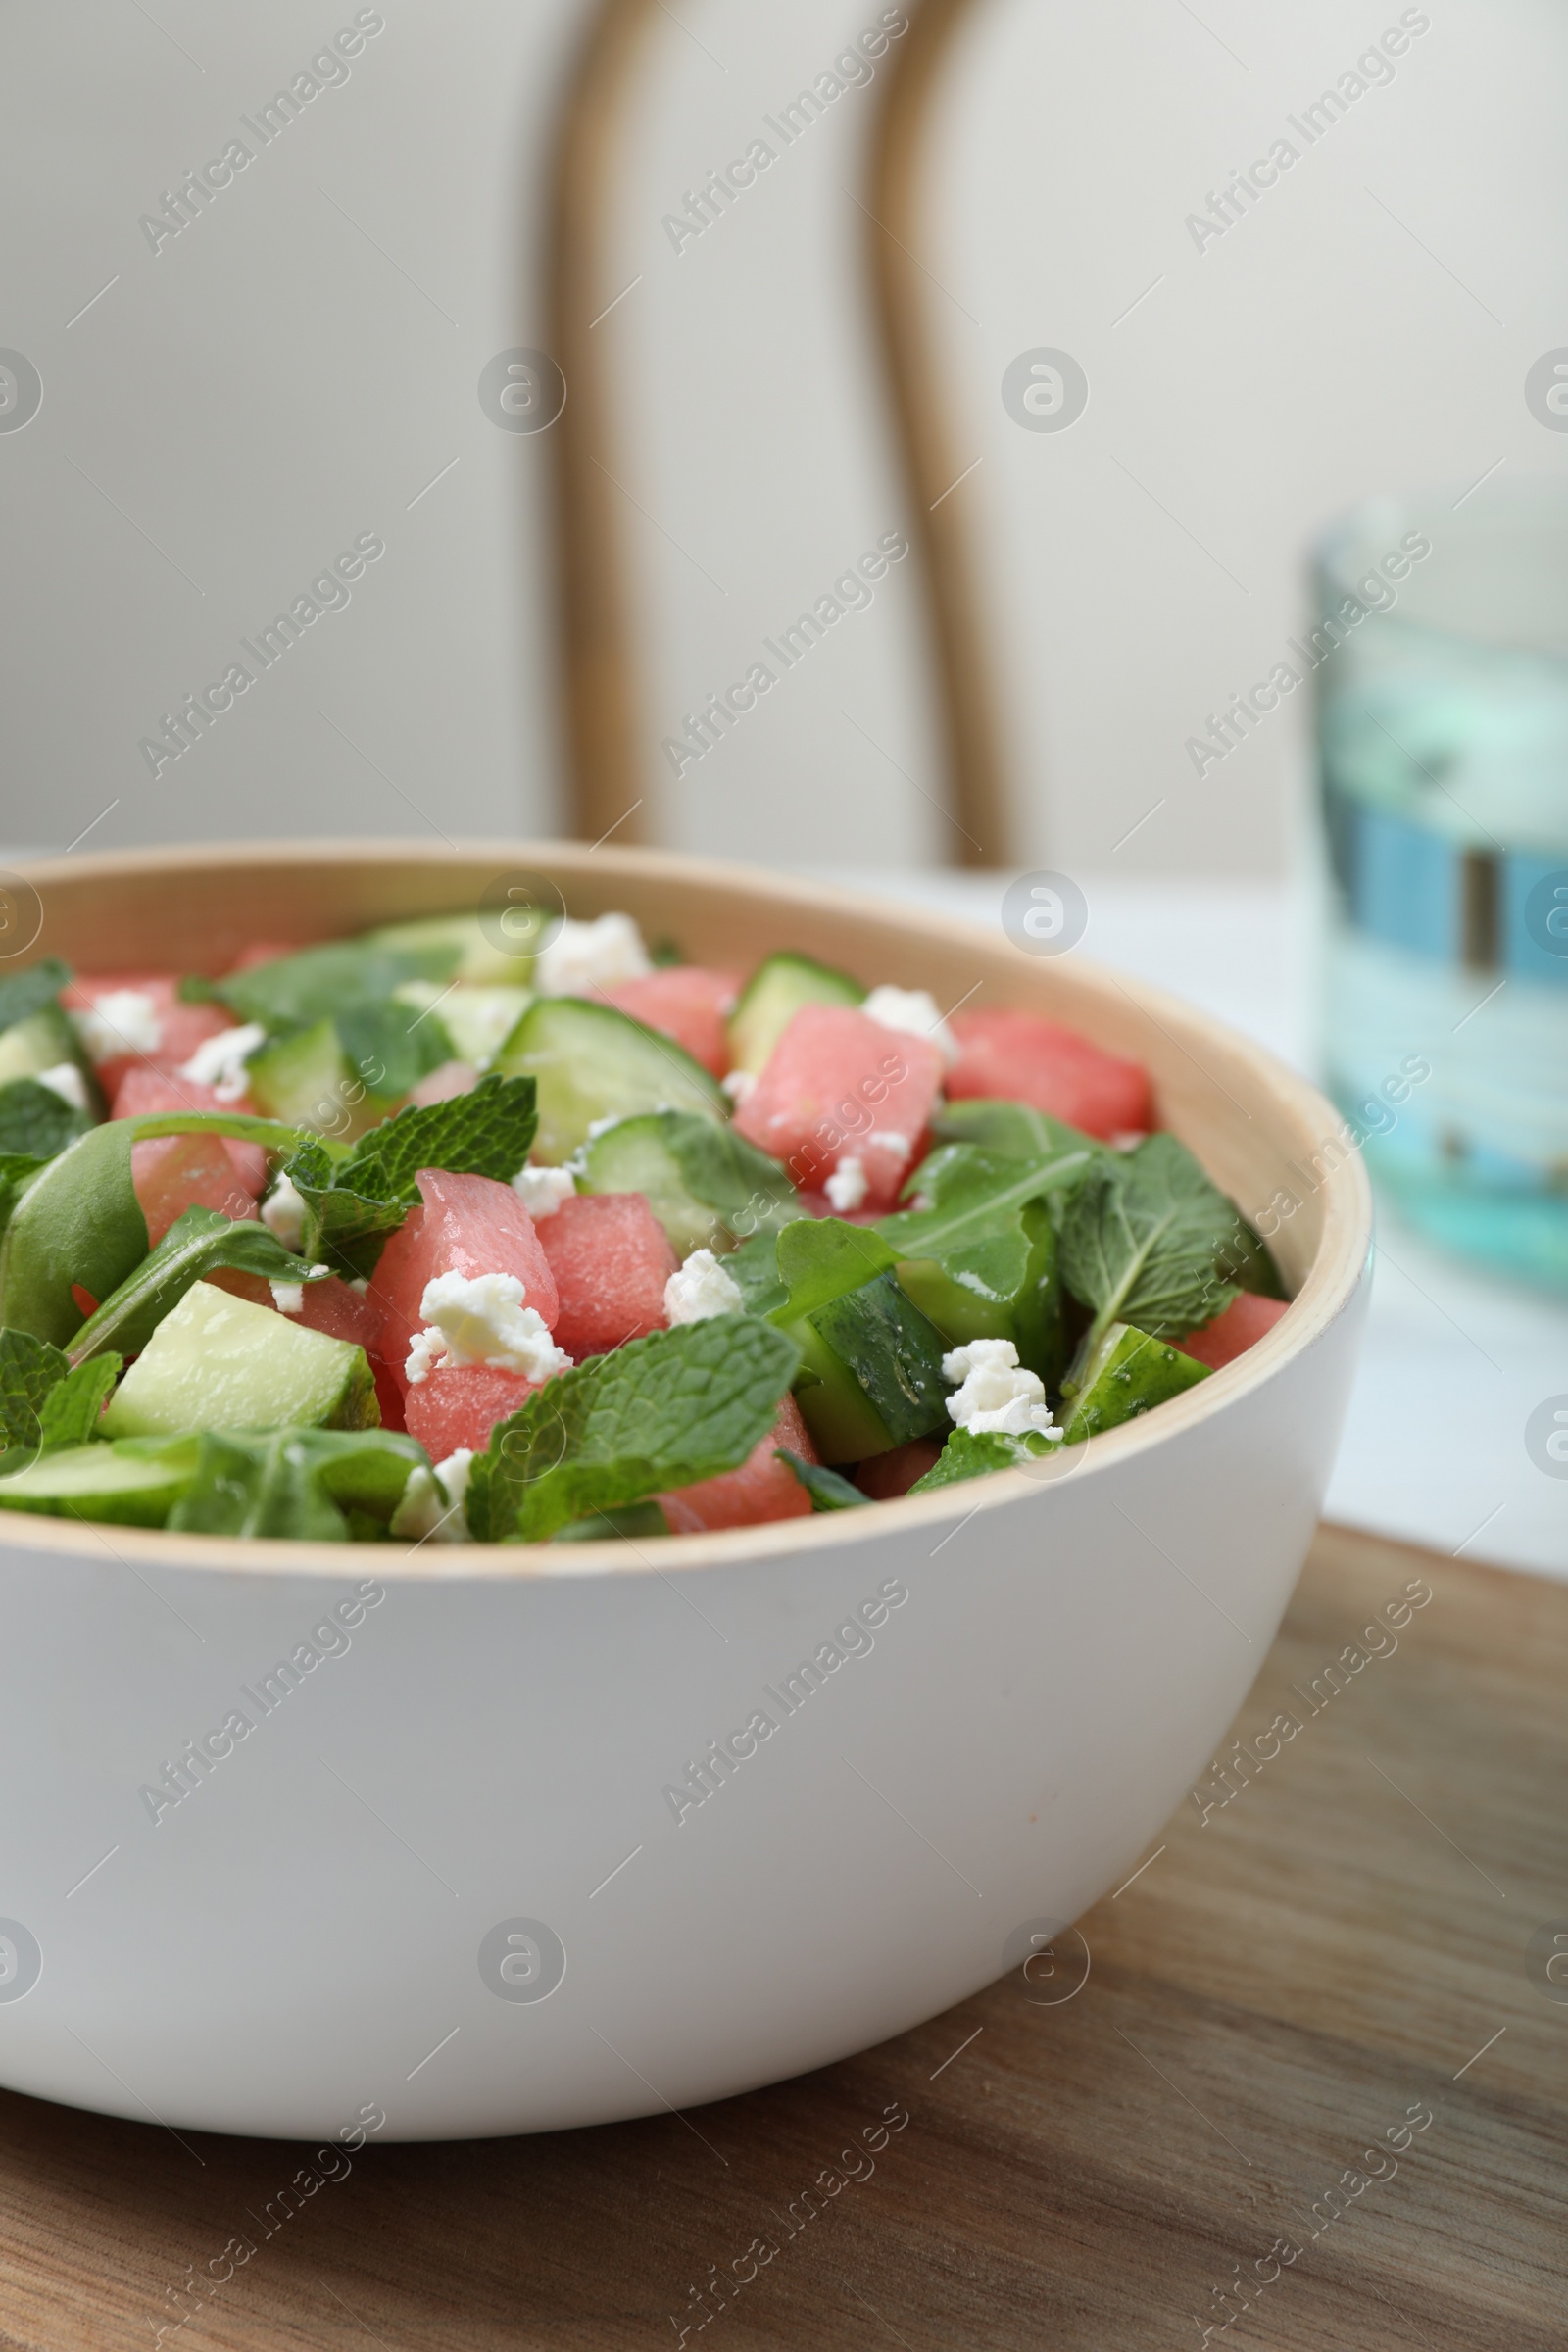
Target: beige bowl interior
[1264, 1134]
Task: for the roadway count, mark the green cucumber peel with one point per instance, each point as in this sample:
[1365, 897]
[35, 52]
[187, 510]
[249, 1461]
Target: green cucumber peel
[195, 1245]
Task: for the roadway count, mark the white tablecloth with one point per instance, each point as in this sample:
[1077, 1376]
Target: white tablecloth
[1453, 1362]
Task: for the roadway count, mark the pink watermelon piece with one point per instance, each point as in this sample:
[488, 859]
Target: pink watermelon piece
[762, 1489]
[181, 1028]
[345, 1314]
[177, 1172]
[610, 1259]
[1020, 1058]
[1241, 1326]
[887, 1476]
[466, 1225]
[264, 951]
[460, 1404]
[447, 1079]
[838, 1086]
[148, 1087]
[689, 1004]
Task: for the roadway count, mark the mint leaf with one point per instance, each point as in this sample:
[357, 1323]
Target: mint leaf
[829, 1491]
[194, 1244]
[1143, 1240]
[320, 983]
[36, 1123]
[663, 1411]
[29, 1368]
[820, 1259]
[308, 1484]
[975, 1453]
[73, 1407]
[22, 994]
[352, 1203]
[393, 1045]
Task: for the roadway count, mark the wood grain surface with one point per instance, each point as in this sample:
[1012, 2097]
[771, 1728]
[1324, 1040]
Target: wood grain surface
[1336, 1960]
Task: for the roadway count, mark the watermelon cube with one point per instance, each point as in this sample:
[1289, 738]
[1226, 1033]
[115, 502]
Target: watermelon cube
[176, 1172]
[149, 1087]
[887, 1476]
[181, 1028]
[466, 1225]
[762, 1489]
[838, 1085]
[1230, 1334]
[610, 1259]
[460, 1404]
[688, 1004]
[1020, 1058]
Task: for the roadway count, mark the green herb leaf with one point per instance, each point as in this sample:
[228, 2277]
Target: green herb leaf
[753, 1269]
[352, 1203]
[78, 1220]
[636, 1519]
[29, 1368]
[1142, 1241]
[661, 1413]
[36, 1122]
[975, 1453]
[194, 1244]
[974, 1226]
[820, 1259]
[73, 1407]
[392, 1045]
[707, 1185]
[1012, 1130]
[323, 982]
[308, 1484]
[22, 994]
[829, 1491]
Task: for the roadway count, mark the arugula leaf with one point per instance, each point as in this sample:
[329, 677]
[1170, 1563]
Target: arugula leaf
[78, 1220]
[975, 1453]
[1142, 1241]
[318, 983]
[36, 1122]
[661, 1413]
[829, 1491]
[753, 1270]
[974, 1225]
[194, 1244]
[352, 1204]
[22, 994]
[74, 1406]
[29, 1367]
[1012, 1130]
[820, 1259]
[309, 1483]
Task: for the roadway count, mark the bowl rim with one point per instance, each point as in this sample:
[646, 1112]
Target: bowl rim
[1326, 1293]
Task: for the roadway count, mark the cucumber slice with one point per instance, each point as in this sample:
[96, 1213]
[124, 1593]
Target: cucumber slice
[218, 1362]
[873, 1366]
[42, 1042]
[307, 1079]
[1128, 1374]
[707, 1187]
[591, 1063]
[479, 956]
[134, 1483]
[1031, 1316]
[773, 995]
[479, 1021]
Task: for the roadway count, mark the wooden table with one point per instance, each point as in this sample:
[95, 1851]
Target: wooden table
[1342, 1947]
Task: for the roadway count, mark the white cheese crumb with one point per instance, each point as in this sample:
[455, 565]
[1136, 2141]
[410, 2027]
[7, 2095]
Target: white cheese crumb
[700, 1290]
[480, 1319]
[846, 1187]
[68, 1082]
[996, 1393]
[542, 1190]
[913, 1009]
[583, 956]
[123, 1022]
[220, 1062]
[432, 1501]
[283, 1215]
[738, 1084]
[1128, 1139]
[288, 1297]
[360, 1282]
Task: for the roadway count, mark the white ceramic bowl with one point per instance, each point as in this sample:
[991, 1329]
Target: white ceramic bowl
[1031, 1676]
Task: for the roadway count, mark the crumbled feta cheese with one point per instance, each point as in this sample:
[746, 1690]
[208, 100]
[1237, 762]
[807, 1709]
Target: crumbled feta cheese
[599, 1127]
[359, 1283]
[996, 1393]
[542, 1190]
[583, 956]
[123, 1022]
[1128, 1139]
[738, 1084]
[288, 1297]
[914, 1009]
[846, 1187]
[431, 1506]
[220, 1062]
[480, 1319]
[68, 1082]
[701, 1288]
[283, 1215]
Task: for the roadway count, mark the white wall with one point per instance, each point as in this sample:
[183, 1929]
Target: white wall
[237, 407]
